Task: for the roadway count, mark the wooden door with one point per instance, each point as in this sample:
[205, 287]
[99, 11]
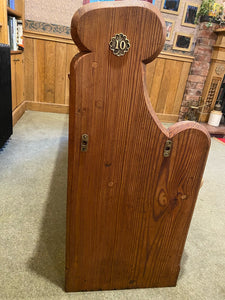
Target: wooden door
[130, 195]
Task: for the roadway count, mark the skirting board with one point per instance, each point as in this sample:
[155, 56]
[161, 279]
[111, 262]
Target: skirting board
[18, 112]
[167, 118]
[38, 106]
[47, 107]
[64, 109]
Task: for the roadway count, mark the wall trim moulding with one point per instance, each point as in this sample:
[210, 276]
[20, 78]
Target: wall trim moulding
[176, 56]
[45, 30]
[48, 37]
[55, 29]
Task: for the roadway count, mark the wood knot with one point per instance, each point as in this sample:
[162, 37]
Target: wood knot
[99, 104]
[163, 201]
[94, 64]
[108, 164]
[110, 184]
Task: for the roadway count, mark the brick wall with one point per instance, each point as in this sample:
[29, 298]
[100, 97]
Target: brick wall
[206, 38]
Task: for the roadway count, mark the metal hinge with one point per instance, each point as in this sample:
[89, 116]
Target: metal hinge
[167, 148]
[84, 142]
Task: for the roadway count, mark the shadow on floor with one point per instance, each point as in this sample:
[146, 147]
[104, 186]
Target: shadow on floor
[183, 263]
[48, 260]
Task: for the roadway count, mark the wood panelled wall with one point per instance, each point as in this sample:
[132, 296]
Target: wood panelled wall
[166, 80]
[47, 61]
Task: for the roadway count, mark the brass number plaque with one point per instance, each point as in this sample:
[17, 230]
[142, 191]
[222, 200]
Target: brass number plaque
[119, 44]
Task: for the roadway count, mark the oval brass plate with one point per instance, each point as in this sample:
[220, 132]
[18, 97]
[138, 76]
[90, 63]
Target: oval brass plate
[119, 44]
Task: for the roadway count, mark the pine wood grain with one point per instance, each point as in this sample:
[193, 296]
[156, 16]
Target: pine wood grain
[129, 207]
[181, 88]
[50, 59]
[13, 82]
[165, 86]
[47, 64]
[157, 82]
[47, 107]
[150, 72]
[175, 73]
[40, 70]
[19, 78]
[29, 68]
[154, 73]
[60, 76]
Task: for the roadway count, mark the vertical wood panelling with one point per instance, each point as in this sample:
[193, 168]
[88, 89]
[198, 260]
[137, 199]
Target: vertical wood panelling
[49, 74]
[35, 71]
[175, 73]
[60, 69]
[155, 85]
[47, 65]
[40, 77]
[150, 71]
[181, 87]
[29, 69]
[164, 86]
[166, 81]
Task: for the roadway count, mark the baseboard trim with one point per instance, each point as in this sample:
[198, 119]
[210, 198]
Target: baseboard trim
[64, 109]
[18, 112]
[47, 107]
[38, 106]
[167, 118]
